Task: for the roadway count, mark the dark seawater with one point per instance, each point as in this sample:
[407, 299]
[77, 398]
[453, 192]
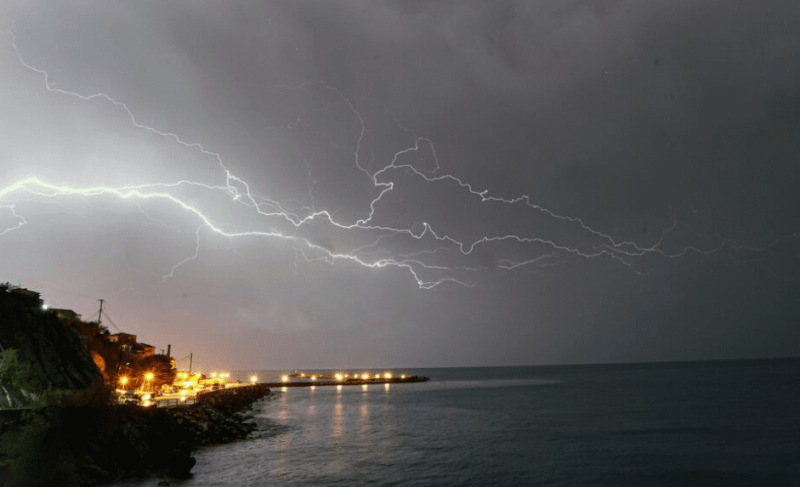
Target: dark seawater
[668, 424]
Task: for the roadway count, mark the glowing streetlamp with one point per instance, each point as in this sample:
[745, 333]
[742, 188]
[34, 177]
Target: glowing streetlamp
[213, 375]
[285, 378]
[123, 380]
[338, 376]
[148, 377]
[387, 375]
[313, 377]
[253, 379]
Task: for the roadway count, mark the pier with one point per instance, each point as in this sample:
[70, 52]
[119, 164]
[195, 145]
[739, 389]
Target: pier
[325, 380]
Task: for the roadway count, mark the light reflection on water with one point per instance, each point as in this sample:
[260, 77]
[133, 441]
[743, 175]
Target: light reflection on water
[581, 426]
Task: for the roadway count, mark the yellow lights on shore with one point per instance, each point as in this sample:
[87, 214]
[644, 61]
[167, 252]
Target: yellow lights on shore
[365, 376]
[339, 377]
[302, 375]
[146, 397]
[123, 380]
[148, 376]
[285, 378]
[253, 379]
[213, 375]
[387, 375]
[403, 376]
[313, 377]
[183, 392]
[377, 376]
[345, 376]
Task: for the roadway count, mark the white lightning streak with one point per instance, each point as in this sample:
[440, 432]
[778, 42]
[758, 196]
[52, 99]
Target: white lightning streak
[239, 191]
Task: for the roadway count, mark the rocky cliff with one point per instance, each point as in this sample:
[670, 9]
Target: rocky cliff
[38, 353]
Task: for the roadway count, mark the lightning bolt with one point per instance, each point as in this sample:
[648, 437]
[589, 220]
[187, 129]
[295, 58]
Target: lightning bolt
[21, 221]
[443, 258]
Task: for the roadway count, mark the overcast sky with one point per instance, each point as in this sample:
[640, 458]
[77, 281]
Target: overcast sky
[301, 184]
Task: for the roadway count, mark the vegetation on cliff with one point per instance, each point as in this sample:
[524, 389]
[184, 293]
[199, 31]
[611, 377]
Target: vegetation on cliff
[38, 354]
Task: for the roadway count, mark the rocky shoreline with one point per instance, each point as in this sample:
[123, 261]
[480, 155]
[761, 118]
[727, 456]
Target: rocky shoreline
[93, 445]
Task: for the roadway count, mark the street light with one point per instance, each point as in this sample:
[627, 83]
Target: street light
[253, 379]
[148, 377]
[123, 380]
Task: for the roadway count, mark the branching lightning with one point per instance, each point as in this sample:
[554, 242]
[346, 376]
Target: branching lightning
[440, 255]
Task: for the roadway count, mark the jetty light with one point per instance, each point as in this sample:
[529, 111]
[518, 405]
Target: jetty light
[313, 377]
[377, 376]
[403, 376]
[365, 376]
[302, 375]
[338, 376]
[285, 378]
[345, 376]
[387, 375]
[253, 379]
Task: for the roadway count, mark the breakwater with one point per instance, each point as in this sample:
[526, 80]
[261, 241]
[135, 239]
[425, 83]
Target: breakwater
[345, 382]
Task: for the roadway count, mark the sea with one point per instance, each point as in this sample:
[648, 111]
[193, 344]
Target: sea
[721, 423]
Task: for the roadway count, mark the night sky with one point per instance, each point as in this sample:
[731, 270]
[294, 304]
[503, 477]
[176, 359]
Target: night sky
[303, 184]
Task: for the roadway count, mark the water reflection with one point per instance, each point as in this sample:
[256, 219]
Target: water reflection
[386, 387]
[338, 420]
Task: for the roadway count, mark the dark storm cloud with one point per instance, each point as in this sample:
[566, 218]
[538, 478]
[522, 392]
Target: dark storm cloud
[631, 116]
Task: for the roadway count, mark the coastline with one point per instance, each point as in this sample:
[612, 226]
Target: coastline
[95, 444]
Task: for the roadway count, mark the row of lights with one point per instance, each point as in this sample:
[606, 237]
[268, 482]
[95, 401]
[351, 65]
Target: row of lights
[364, 376]
[148, 377]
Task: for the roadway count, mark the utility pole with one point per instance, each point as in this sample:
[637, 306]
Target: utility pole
[190, 363]
[100, 316]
